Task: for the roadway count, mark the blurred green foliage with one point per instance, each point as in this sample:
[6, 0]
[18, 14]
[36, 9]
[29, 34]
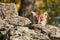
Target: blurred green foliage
[53, 6]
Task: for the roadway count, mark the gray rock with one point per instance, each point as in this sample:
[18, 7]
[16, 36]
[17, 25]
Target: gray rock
[1, 7]
[49, 29]
[38, 26]
[5, 29]
[19, 21]
[24, 33]
[57, 33]
[4, 26]
[2, 23]
[8, 10]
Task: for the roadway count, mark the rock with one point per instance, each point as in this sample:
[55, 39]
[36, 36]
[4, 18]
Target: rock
[2, 23]
[4, 26]
[20, 33]
[24, 33]
[1, 13]
[38, 26]
[19, 21]
[48, 29]
[57, 33]
[8, 10]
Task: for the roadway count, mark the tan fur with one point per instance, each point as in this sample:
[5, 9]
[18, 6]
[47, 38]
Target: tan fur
[42, 19]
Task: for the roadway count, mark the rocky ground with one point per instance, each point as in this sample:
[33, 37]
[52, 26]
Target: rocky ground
[14, 27]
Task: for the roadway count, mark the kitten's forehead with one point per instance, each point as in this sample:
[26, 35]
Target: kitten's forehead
[38, 13]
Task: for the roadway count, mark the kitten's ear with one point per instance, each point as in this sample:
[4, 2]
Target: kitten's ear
[33, 13]
[46, 13]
